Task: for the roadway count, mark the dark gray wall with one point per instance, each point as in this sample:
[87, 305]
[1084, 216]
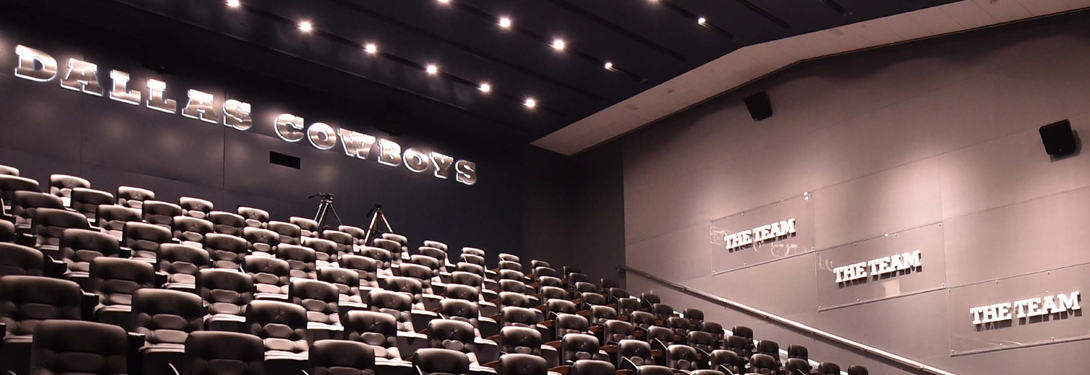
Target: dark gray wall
[940, 131]
[47, 129]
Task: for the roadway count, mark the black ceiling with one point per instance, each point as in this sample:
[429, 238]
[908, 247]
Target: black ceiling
[647, 41]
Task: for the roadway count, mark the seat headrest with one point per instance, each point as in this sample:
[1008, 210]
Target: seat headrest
[523, 364]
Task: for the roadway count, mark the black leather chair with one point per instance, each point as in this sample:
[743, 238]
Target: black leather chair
[114, 280]
[226, 293]
[394, 248]
[441, 362]
[565, 324]
[61, 185]
[165, 318]
[346, 244]
[764, 364]
[78, 247]
[282, 328]
[226, 251]
[627, 306]
[223, 353]
[190, 230]
[541, 271]
[682, 357]
[159, 213]
[453, 335]
[695, 317]
[181, 263]
[798, 351]
[347, 282]
[227, 223]
[308, 227]
[25, 303]
[633, 354]
[680, 327]
[21, 260]
[828, 368]
[341, 357]
[261, 241]
[857, 370]
[133, 197]
[320, 300]
[592, 367]
[100, 349]
[49, 224]
[613, 331]
[255, 217]
[7, 231]
[728, 362]
[366, 269]
[271, 276]
[599, 315]
[796, 366]
[357, 233]
[86, 202]
[301, 260]
[325, 251]
[398, 305]
[143, 240]
[111, 219]
[473, 251]
[25, 203]
[379, 330]
[287, 233]
[740, 345]
[195, 207]
[524, 364]
[576, 346]
[702, 341]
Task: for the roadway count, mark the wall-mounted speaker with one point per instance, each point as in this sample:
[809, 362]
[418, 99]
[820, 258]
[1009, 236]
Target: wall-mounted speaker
[1059, 139]
[759, 106]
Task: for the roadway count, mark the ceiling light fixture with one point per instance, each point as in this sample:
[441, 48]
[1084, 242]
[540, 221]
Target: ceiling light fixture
[559, 45]
[701, 21]
[432, 69]
[370, 48]
[233, 3]
[609, 65]
[505, 22]
[485, 88]
[530, 103]
[444, 1]
[306, 26]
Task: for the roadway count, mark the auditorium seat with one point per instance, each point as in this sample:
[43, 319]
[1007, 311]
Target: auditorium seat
[325, 251]
[159, 213]
[255, 217]
[21, 260]
[437, 254]
[728, 362]
[347, 282]
[549, 293]
[422, 273]
[402, 241]
[473, 259]
[613, 331]
[301, 260]
[7, 231]
[111, 219]
[647, 300]
[78, 247]
[740, 345]
[695, 317]
[25, 303]
[660, 337]
[377, 329]
[857, 370]
[287, 233]
[101, 349]
[542, 271]
[86, 202]
[308, 227]
[453, 335]
[763, 364]
[320, 300]
[716, 330]
[26, 203]
[601, 314]
[742, 331]
[366, 268]
[382, 256]
[679, 326]
[770, 348]
[181, 263]
[616, 294]
[524, 364]
[662, 312]
[592, 367]
[50, 224]
[550, 281]
[133, 197]
[409, 286]
[271, 276]
[344, 241]
[222, 353]
[227, 223]
[165, 318]
[682, 357]
[435, 245]
[441, 362]
[358, 234]
[701, 341]
[114, 280]
[473, 251]
[565, 324]
[189, 230]
[195, 207]
[282, 327]
[393, 249]
[61, 185]
[828, 368]
[590, 300]
[643, 320]
[462, 291]
[8, 170]
[341, 357]
[539, 263]
[397, 304]
[262, 241]
[525, 340]
[509, 257]
[798, 351]
[508, 265]
[226, 293]
[584, 287]
[559, 306]
[10, 184]
[226, 251]
[795, 366]
[633, 354]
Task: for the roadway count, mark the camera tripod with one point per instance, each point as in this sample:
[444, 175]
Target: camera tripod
[325, 205]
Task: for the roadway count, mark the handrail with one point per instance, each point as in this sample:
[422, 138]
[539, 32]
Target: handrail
[776, 319]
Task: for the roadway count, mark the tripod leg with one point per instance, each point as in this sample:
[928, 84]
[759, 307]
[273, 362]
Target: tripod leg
[370, 228]
[388, 227]
[320, 216]
[335, 215]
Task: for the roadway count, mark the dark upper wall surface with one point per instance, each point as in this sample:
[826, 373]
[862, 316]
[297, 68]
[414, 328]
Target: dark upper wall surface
[48, 129]
[936, 132]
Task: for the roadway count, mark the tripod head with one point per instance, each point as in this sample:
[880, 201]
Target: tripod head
[323, 196]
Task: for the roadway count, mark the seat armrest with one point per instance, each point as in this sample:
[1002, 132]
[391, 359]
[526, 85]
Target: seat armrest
[56, 268]
[3, 330]
[125, 253]
[161, 278]
[562, 370]
[25, 239]
[609, 348]
[495, 365]
[136, 340]
[88, 304]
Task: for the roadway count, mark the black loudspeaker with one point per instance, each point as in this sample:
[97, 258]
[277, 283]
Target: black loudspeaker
[759, 106]
[1058, 138]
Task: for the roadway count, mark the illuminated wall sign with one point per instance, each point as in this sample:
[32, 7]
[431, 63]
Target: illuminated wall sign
[878, 267]
[760, 234]
[1027, 308]
[83, 76]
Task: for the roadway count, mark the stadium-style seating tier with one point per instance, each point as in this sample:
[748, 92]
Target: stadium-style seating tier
[127, 284]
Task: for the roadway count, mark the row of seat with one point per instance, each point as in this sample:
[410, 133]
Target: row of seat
[295, 285]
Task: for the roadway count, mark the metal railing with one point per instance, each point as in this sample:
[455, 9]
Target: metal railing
[870, 351]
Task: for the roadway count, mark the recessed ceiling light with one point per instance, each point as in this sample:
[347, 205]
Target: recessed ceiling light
[432, 69]
[609, 65]
[306, 26]
[530, 103]
[505, 22]
[558, 44]
[370, 48]
[233, 3]
[485, 87]
[444, 1]
[701, 21]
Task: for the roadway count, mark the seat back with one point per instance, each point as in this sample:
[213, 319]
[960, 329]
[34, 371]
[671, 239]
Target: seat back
[86, 201]
[466, 278]
[345, 243]
[195, 207]
[509, 257]
[227, 223]
[114, 280]
[513, 299]
[570, 323]
[521, 340]
[592, 300]
[26, 203]
[441, 361]
[226, 251]
[681, 357]
[577, 346]
[379, 330]
[391, 246]
[319, 298]
[769, 347]
[764, 363]
[181, 263]
[345, 280]
[226, 292]
[383, 256]
[616, 330]
[463, 292]
[435, 245]
[549, 293]
[261, 240]
[700, 340]
[133, 197]
[79, 246]
[255, 217]
[453, 335]
[627, 306]
[409, 286]
[8, 171]
[21, 260]
[7, 231]
[519, 317]
[308, 227]
[730, 360]
[287, 233]
[798, 351]
[101, 348]
[642, 319]
[144, 239]
[523, 364]
[473, 251]
[166, 316]
[270, 275]
[49, 225]
[27, 301]
[601, 314]
[301, 260]
[357, 233]
[592, 367]
[695, 317]
[366, 268]
[797, 366]
[159, 213]
[213, 353]
[325, 251]
[828, 368]
[474, 259]
[341, 357]
[398, 305]
[281, 326]
[636, 351]
[460, 310]
[190, 229]
[112, 219]
[857, 370]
